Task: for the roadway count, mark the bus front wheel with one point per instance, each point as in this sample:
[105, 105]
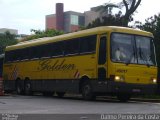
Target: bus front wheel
[60, 94]
[87, 92]
[48, 94]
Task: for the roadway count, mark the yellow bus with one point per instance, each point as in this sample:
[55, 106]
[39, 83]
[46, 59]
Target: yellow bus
[106, 60]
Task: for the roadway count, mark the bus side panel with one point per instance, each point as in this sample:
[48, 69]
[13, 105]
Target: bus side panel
[54, 74]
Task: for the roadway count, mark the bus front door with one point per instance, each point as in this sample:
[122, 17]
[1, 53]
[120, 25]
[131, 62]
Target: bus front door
[102, 57]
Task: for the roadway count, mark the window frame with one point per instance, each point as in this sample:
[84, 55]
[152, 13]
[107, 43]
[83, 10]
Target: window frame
[40, 48]
[134, 45]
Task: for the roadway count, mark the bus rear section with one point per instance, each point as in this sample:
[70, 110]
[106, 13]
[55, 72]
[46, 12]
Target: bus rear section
[1, 69]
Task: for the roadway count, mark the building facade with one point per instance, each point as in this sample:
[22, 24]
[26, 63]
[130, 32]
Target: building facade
[73, 21]
[69, 21]
[51, 21]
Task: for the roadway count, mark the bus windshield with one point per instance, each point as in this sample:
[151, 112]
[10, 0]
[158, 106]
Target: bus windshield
[132, 49]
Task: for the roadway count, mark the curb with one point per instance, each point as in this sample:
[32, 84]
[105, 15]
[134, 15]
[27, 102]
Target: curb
[146, 100]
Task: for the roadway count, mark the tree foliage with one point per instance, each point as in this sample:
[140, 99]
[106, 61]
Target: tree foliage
[106, 21]
[41, 34]
[152, 24]
[6, 39]
[106, 8]
[118, 19]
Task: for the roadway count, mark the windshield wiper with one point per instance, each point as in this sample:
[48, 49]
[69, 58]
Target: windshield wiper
[132, 58]
[141, 55]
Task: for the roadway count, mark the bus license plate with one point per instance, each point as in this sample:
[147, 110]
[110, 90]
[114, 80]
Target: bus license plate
[136, 90]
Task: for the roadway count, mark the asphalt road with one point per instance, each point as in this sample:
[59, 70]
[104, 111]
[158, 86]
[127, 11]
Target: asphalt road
[70, 108]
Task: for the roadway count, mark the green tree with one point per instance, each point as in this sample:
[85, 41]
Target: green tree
[152, 24]
[6, 39]
[106, 8]
[106, 21]
[118, 19]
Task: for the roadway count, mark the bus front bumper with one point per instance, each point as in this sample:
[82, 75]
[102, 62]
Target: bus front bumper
[133, 88]
[119, 87]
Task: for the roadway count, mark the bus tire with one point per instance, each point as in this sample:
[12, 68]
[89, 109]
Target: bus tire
[123, 97]
[28, 88]
[87, 91]
[19, 89]
[60, 94]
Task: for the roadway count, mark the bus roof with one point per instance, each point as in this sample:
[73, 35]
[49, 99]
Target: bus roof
[97, 30]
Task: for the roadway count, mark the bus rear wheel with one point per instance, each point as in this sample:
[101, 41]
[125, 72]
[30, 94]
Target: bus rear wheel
[19, 88]
[87, 91]
[28, 88]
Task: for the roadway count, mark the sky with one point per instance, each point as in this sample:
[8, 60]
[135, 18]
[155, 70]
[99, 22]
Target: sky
[25, 15]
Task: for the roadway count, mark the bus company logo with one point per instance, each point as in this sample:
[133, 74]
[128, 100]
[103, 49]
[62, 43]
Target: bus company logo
[57, 65]
[121, 71]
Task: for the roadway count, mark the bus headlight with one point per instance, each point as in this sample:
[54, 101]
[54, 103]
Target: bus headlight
[119, 78]
[154, 80]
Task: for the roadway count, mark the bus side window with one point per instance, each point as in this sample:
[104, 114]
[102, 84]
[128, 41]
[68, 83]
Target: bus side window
[25, 54]
[19, 54]
[7, 57]
[72, 47]
[37, 51]
[46, 50]
[16, 55]
[32, 52]
[57, 49]
[88, 44]
[1, 64]
[102, 50]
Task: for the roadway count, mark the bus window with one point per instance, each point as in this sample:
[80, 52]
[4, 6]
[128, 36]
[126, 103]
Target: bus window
[58, 48]
[102, 50]
[7, 56]
[1, 65]
[145, 50]
[88, 44]
[46, 50]
[25, 54]
[121, 47]
[35, 52]
[71, 47]
[16, 55]
[132, 49]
